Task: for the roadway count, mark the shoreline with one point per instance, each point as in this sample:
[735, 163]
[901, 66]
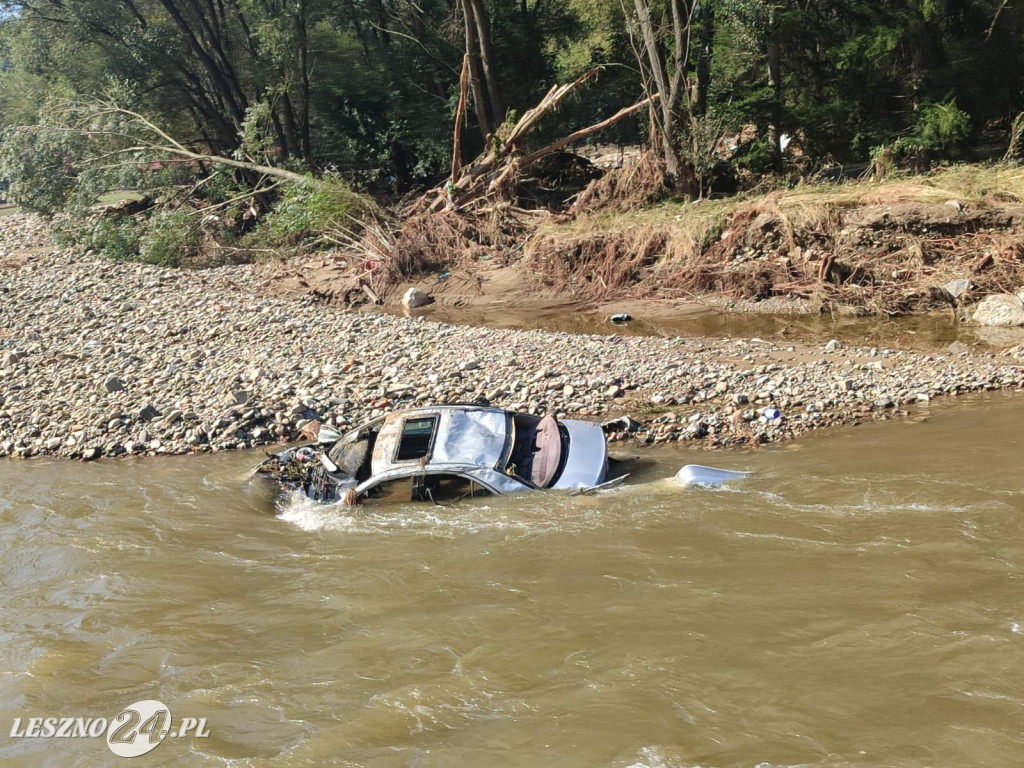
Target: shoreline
[106, 359]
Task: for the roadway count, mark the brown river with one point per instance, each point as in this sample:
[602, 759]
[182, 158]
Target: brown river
[858, 601]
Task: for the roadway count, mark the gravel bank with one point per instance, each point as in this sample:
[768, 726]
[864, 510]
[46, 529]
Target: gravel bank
[102, 359]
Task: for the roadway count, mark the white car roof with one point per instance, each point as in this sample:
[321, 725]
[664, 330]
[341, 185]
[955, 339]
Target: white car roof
[462, 436]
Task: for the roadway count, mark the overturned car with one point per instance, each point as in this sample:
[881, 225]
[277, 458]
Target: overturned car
[443, 453]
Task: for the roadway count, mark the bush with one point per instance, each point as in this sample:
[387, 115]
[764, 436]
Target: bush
[305, 211]
[939, 133]
[171, 238]
[115, 238]
[942, 128]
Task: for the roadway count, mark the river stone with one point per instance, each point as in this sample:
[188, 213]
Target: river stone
[621, 424]
[414, 297]
[148, 412]
[1002, 310]
[113, 384]
[1000, 337]
[957, 288]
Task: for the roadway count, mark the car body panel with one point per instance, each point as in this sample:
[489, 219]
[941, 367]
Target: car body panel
[475, 438]
[587, 462]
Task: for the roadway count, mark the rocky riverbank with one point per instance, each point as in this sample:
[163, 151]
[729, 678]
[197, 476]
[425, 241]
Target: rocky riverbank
[103, 359]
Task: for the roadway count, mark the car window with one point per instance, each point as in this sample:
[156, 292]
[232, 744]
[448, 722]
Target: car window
[439, 488]
[415, 440]
[449, 488]
[390, 491]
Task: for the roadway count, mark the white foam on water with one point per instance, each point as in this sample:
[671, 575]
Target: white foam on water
[657, 757]
[867, 506]
[461, 518]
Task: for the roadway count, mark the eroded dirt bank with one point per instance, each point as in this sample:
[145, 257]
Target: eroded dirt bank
[861, 249]
[102, 359]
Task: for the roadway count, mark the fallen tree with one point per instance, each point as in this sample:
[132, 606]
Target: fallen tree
[494, 172]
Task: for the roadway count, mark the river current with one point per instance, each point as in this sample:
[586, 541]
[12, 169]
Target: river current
[858, 601]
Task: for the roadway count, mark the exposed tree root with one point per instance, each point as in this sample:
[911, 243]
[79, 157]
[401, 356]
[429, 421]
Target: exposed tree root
[629, 188]
[868, 267]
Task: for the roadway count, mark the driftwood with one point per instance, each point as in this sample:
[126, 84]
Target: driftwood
[504, 159]
[370, 293]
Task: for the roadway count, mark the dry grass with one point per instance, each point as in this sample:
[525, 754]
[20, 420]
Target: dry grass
[625, 189]
[430, 242]
[826, 244]
[794, 243]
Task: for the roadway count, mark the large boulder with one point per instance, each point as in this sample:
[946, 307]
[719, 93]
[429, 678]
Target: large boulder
[414, 297]
[1003, 310]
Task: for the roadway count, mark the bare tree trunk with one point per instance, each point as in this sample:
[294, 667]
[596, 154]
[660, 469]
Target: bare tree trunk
[282, 142]
[289, 124]
[775, 80]
[680, 176]
[483, 33]
[473, 51]
[707, 36]
[306, 143]
[226, 84]
[460, 114]
[650, 39]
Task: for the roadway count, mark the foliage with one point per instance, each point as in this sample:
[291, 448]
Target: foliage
[39, 162]
[368, 89]
[116, 238]
[939, 132]
[171, 237]
[942, 128]
[63, 161]
[306, 211]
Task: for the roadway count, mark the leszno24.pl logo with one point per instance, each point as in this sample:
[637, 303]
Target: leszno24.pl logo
[135, 730]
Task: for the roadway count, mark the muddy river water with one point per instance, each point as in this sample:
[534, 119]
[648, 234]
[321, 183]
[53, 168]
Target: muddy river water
[858, 601]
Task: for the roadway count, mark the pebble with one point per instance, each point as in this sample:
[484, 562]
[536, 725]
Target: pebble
[234, 368]
[148, 413]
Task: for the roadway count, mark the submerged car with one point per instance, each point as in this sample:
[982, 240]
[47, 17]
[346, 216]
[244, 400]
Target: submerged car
[443, 453]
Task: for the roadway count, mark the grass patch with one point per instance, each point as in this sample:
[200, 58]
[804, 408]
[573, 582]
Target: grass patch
[980, 186]
[118, 195]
